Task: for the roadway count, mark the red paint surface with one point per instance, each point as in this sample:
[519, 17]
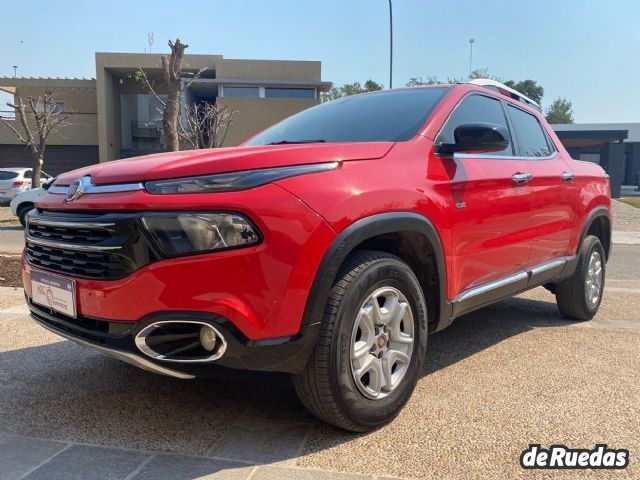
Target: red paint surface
[263, 289]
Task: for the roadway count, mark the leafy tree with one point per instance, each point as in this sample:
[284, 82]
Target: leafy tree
[416, 81]
[354, 88]
[530, 88]
[483, 73]
[560, 111]
[434, 80]
[371, 86]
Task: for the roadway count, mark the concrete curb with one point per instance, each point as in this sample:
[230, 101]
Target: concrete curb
[626, 238]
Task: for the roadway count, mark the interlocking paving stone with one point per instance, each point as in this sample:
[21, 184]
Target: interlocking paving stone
[83, 462]
[625, 217]
[281, 473]
[261, 441]
[19, 455]
[172, 467]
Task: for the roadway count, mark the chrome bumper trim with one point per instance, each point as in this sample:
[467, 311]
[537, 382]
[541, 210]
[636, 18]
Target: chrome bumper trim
[93, 189]
[130, 358]
[70, 246]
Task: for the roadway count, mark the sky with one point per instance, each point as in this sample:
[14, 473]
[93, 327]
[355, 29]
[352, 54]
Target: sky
[586, 51]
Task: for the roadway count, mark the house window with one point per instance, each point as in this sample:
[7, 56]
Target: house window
[251, 92]
[141, 124]
[57, 108]
[278, 92]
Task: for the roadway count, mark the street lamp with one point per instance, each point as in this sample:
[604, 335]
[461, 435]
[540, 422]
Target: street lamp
[390, 45]
[15, 71]
[471, 42]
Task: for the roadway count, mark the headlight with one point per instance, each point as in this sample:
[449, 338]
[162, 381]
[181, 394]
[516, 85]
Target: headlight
[230, 182]
[187, 233]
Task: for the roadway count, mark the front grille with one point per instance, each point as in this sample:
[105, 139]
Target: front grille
[80, 235]
[81, 264]
[98, 246]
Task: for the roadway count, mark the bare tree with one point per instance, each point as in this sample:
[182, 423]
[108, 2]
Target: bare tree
[172, 75]
[205, 125]
[39, 118]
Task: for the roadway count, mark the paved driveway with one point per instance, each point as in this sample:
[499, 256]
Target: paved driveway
[498, 379]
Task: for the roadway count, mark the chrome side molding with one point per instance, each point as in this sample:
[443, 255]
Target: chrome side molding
[487, 287]
[490, 292]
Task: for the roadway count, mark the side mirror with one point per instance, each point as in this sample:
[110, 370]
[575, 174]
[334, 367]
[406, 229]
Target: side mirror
[48, 183]
[478, 137]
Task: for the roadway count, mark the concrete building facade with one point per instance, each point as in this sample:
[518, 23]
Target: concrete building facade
[615, 146]
[114, 116]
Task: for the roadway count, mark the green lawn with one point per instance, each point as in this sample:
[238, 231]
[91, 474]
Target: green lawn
[635, 201]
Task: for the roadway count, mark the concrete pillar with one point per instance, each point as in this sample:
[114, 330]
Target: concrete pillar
[615, 167]
[633, 164]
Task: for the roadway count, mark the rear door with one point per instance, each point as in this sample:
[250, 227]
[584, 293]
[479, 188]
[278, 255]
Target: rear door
[491, 204]
[553, 215]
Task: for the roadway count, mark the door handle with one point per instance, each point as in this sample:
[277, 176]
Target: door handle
[521, 178]
[568, 176]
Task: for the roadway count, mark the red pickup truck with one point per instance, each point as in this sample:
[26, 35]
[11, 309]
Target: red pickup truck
[329, 246]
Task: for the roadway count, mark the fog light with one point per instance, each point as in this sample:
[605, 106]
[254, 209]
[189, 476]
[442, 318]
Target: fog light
[208, 338]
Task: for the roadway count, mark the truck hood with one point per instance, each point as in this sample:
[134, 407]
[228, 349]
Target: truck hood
[222, 160]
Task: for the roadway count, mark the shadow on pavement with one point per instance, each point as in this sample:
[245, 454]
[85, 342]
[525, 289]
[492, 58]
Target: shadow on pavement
[63, 392]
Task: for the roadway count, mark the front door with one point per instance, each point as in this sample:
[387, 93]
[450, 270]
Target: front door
[491, 203]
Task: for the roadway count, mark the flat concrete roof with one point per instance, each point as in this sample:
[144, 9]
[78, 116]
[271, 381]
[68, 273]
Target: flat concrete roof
[616, 130]
[320, 85]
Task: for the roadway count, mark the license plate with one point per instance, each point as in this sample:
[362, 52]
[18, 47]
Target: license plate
[53, 291]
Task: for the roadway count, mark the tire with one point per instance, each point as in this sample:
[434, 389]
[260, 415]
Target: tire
[576, 299]
[22, 213]
[328, 387]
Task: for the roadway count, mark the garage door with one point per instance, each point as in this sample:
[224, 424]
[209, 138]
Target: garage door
[58, 158]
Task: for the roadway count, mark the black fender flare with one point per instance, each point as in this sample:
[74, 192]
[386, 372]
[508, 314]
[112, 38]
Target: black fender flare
[354, 235]
[598, 212]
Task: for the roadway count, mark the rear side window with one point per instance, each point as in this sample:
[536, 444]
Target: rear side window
[7, 175]
[27, 174]
[475, 108]
[388, 116]
[531, 138]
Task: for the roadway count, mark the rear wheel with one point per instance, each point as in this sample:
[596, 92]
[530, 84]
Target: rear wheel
[371, 347]
[579, 296]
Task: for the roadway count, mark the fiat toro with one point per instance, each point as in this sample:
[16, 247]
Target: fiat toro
[329, 246]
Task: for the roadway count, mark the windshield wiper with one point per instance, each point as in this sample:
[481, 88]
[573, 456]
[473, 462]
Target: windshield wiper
[287, 142]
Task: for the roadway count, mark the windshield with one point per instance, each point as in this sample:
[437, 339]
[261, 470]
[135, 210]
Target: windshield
[7, 175]
[389, 116]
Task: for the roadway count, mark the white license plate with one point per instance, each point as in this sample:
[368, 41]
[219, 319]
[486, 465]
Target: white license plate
[53, 291]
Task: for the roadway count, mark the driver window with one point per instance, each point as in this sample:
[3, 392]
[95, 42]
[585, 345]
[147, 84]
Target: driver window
[475, 108]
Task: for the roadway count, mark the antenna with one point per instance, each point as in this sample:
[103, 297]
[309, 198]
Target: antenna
[150, 40]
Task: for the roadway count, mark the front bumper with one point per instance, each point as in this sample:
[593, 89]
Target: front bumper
[117, 340]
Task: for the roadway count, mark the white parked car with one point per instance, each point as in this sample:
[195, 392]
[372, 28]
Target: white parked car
[25, 201]
[16, 180]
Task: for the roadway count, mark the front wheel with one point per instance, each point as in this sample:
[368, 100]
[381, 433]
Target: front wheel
[22, 213]
[579, 296]
[371, 347]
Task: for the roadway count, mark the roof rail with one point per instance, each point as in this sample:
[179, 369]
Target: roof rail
[502, 88]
